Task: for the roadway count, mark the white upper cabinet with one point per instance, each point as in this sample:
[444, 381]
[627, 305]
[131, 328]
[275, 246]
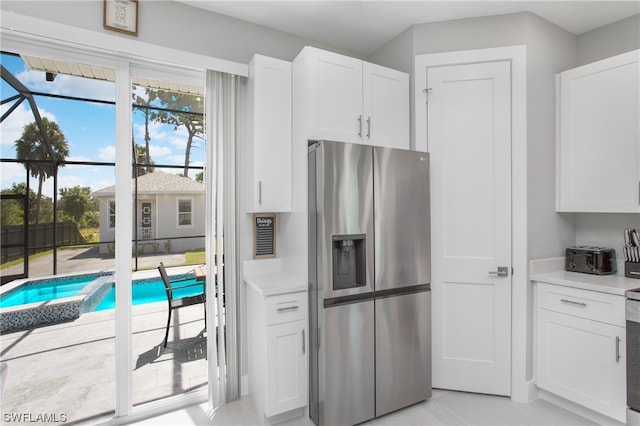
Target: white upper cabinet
[335, 96]
[598, 145]
[268, 149]
[349, 100]
[385, 106]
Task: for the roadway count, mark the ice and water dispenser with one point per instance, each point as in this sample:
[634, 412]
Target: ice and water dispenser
[349, 261]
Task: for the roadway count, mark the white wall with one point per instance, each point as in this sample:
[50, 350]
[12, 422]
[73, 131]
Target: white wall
[609, 40]
[178, 26]
[605, 230]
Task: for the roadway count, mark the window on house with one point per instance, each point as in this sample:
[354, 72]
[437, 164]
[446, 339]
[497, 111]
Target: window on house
[112, 214]
[185, 214]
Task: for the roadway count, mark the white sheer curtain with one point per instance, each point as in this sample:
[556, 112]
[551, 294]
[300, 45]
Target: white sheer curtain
[223, 126]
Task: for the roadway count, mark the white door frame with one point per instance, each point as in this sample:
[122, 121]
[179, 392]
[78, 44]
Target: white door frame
[522, 384]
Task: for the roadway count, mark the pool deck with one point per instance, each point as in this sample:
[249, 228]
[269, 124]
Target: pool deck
[69, 368]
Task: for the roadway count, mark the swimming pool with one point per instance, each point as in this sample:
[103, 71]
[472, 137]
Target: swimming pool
[44, 290]
[152, 290]
[34, 302]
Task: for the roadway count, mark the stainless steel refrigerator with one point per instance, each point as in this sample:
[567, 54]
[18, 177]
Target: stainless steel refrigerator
[369, 281]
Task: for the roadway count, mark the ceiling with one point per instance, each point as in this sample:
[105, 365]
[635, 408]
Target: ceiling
[365, 26]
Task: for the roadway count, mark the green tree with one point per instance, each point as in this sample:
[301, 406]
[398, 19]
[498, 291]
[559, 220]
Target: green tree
[181, 110]
[12, 211]
[32, 146]
[75, 202]
[200, 177]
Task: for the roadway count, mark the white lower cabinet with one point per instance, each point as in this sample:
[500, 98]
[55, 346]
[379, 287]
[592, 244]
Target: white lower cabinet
[579, 358]
[286, 367]
[277, 354]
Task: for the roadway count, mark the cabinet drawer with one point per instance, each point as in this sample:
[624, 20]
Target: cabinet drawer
[286, 307]
[593, 305]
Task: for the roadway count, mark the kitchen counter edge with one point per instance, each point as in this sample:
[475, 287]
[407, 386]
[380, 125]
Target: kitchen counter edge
[612, 284]
[274, 283]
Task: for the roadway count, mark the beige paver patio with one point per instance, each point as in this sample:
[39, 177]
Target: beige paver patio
[67, 370]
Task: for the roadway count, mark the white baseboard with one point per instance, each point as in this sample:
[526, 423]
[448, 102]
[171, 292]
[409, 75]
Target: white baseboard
[578, 409]
[527, 393]
[244, 385]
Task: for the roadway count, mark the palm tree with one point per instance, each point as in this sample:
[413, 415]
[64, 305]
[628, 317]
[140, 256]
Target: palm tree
[32, 145]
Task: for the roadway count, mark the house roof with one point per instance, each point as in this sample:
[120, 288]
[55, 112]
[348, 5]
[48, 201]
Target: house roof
[159, 183]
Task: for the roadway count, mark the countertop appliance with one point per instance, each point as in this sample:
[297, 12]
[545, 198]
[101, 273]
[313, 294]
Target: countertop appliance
[632, 309]
[591, 260]
[369, 281]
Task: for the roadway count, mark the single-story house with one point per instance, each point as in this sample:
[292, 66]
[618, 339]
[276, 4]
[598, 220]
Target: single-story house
[169, 214]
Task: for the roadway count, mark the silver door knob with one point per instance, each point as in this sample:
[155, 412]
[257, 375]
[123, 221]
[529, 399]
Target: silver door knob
[503, 271]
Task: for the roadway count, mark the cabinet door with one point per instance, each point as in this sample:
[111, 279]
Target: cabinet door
[335, 97]
[582, 361]
[269, 188]
[286, 367]
[385, 107]
[599, 137]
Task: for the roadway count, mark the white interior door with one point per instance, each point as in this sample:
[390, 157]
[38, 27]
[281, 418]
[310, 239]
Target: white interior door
[469, 140]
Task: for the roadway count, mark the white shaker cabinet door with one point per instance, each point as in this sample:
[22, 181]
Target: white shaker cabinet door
[598, 155]
[335, 97]
[268, 150]
[385, 107]
[582, 361]
[286, 367]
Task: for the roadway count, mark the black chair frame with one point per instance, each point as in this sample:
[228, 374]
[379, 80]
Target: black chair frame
[181, 302]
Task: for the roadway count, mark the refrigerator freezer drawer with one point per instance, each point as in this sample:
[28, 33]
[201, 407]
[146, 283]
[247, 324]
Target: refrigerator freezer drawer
[403, 351]
[347, 346]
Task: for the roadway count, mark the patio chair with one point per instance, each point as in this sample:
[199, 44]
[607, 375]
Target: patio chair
[181, 302]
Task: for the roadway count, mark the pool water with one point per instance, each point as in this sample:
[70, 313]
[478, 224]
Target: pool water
[151, 291]
[45, 290]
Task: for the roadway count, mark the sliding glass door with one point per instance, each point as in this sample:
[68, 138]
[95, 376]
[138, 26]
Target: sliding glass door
[143, 193]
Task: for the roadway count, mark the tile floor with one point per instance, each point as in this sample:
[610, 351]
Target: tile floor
[69, 368]
[444, 408]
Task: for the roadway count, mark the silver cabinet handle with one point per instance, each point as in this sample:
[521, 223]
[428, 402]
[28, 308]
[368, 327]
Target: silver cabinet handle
[288, 308]
[369, 127]
[617, 349]
[502, 271]
[303, 348]
[571, 302]
[360, 125]
[259, 192]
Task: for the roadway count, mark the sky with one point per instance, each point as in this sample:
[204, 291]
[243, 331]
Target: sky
[89, 129]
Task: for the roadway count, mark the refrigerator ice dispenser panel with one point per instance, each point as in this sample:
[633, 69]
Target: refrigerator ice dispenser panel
[349, 261]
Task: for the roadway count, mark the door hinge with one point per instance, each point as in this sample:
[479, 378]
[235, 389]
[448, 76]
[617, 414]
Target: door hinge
[427, 91]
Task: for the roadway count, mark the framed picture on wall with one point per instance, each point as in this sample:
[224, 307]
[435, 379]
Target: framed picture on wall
[264, 235]
[121, 16]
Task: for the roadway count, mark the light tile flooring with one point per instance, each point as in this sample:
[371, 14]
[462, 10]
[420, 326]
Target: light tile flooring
[444, 408]
[69, 368]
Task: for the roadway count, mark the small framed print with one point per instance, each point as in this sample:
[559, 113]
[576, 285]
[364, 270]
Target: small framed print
[264, 235]
[121, 16]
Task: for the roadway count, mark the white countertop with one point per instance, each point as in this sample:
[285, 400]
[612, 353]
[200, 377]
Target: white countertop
[272, 283]
[613, 284]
